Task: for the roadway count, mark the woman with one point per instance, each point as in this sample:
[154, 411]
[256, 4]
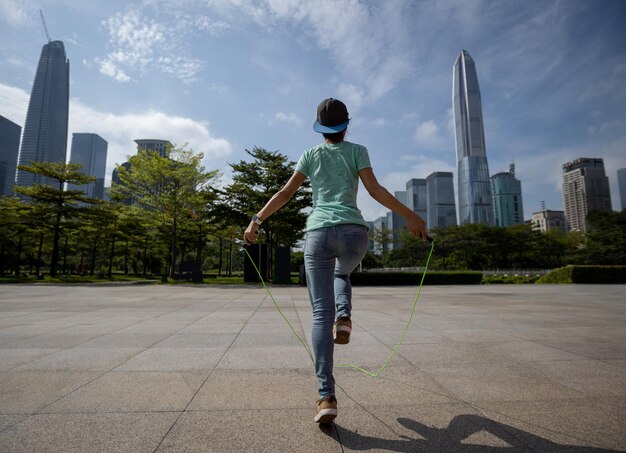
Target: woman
[336, 235]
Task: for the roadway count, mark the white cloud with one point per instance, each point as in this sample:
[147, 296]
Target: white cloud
[119, 130]
[426, 133]
[14, 102]
[142, 45]
[14, 12]
[287, 118]
[351, 95]
[369, 42]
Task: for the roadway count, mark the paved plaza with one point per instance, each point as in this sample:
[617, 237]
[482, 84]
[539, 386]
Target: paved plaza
[145, 368]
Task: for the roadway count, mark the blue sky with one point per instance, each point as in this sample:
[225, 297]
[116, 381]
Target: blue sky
[226, 75]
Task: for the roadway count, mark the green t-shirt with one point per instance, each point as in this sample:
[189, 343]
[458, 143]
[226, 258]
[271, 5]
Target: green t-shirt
[333, 170]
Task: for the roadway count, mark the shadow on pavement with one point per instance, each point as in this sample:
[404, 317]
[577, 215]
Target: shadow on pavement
[450, 439]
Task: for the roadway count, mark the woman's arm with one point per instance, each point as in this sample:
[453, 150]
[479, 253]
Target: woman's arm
[279, 199]
[415, 223]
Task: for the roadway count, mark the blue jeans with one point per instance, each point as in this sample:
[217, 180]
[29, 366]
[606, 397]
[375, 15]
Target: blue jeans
[330, 255]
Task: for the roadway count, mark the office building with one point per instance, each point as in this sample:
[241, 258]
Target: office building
[585, 189]
[396, 222]
[474, 188]
[9, 149]
[416, 198]
[162, 147]
[45, 131]
[90, 151]
[548, 220]
[377, 243]
[621, 184]
[507, 198]
[441, 209]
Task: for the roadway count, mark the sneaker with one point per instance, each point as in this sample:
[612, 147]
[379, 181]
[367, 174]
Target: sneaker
[326, 409]
[341, 330]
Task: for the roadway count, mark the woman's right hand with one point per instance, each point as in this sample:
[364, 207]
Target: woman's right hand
[417, 227]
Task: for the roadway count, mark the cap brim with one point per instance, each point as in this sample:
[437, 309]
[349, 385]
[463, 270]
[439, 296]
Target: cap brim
[317, 127]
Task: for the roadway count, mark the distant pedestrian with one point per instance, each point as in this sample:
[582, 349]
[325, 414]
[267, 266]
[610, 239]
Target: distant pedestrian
[336, 235]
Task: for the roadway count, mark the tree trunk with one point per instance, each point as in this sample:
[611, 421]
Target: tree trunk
[57, 232]
[65, 255]
[112, 253]
[94, 250]
[219, 270]
[230, 258]
[173, 250]
[38, 265]
[145, 257]
[19, 256]
[126, 258]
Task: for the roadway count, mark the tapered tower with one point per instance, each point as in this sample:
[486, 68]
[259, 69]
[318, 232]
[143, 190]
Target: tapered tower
[474, 188]
[45, 131]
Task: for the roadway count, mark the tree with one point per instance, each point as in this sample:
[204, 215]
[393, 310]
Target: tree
[56, 201]
[382, 239]
[254, 183]
[606, 238]
[168, 187]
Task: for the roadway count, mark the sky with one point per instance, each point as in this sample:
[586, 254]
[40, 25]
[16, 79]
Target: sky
[223, 76]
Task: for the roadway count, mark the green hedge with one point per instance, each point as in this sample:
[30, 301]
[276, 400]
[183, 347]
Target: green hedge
[508, 279]
[586, 274]
[405, 278]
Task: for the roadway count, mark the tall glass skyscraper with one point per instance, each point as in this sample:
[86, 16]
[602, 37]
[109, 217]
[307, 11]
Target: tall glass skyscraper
[441, 206]
[45, 131]
[474, 188]
[508, 207]
[585, 188]
[416, 197]
[9, 148]
[90, 150]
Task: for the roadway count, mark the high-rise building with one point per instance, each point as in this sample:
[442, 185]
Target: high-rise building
[585, 188]
[9, 149]
[440, 196]
[379, 226]
[416, 198]
[621, 184]
[45, 131]
[162, 147]
[547, 220]
[507, 198]
[90, 150]
[396, 222]
[474, 188]
[151, 144]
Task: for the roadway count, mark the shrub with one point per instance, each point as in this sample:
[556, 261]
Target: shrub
[406, 278]
[504, 279]
[586, 274]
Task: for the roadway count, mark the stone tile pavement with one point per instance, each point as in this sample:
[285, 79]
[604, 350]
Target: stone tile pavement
[523, 368]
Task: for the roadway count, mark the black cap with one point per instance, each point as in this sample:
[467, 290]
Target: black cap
[332, 117]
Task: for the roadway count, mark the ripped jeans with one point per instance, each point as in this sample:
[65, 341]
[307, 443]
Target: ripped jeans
[330, 255]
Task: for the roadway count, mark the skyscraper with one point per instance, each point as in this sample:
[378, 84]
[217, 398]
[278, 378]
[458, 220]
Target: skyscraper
[162, 147]
[440, 196]
[90, 150]
[416, 197]
[45, 131]
[585, 188]
[621, 184]
[507, 198]
[546, 220]
[9, 149]
[396, 222]
[474, 188]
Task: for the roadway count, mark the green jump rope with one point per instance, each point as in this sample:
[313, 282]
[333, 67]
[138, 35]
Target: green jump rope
[378, 371]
